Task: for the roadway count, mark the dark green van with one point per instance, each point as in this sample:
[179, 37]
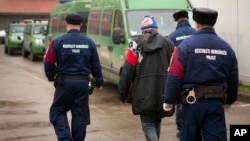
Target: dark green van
[56, 25]
[113, 23]
[33, 39]
[14, 37]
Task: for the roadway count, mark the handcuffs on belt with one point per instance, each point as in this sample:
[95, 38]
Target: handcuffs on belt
[190, 98]
[203, 92]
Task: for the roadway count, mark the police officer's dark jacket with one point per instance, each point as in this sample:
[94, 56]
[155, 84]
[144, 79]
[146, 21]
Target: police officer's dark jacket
[73, 53]
[204, 58]
[146, 64]
[183, 31]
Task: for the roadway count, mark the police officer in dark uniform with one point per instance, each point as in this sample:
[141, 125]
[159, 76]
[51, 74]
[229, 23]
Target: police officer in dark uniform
[182, 31]
[204, 76]
[69, 62]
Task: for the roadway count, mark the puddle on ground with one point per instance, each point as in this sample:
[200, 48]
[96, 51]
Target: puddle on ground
[12, 104]
[10, 108]
[17, 112]
[18, 125]
[5, 103]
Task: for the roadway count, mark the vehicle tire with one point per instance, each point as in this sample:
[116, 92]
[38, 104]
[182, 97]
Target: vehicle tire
[5, 49]
[33, 56]
[1, 40]
[10, 51]
[25, 53]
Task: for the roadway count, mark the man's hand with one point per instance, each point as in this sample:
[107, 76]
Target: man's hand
[123, 99]
[124, 103]
[99, 88]
[167, 107]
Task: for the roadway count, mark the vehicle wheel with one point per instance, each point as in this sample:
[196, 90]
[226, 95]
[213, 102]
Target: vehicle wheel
[33, 56]
[5, 49]
[2, 41]
[25, 53]
[10, 51]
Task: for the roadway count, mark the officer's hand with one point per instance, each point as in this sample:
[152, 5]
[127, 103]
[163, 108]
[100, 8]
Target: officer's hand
[167, 107]
[227, 107]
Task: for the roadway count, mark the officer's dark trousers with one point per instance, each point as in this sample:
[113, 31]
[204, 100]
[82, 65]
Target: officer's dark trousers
[72, 95]
[204, 117]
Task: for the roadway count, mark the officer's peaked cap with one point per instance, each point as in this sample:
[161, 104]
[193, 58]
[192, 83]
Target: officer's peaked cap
[180, 14]
[75, 19]
[205, 15]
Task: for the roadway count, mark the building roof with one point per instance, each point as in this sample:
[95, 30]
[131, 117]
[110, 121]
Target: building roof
[27, 6]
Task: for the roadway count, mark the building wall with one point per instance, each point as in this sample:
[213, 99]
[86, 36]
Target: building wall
[243, 40]
[233, 26]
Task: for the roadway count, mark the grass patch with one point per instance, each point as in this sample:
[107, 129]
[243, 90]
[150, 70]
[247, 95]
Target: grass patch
[244, 88]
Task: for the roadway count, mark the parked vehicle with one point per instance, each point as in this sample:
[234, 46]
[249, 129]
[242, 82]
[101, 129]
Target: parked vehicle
[33, 43]
[56, 25]
[14, 37]
[113, 23]
[2, 36]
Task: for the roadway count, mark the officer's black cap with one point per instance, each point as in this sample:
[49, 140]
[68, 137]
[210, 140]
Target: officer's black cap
[205, 16]
[180, 14]
[75, 19]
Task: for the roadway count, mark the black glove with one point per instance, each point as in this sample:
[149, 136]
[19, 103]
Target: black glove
[168, 110]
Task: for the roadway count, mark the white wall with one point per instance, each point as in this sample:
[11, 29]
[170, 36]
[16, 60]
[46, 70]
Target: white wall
[233, 26]
[244, 40]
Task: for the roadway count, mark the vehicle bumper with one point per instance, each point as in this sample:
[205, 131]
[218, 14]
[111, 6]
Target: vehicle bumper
[38, 49]
[16, 45]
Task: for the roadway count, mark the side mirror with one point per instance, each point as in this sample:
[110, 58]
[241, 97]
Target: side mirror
[118, 36]
[19, 38]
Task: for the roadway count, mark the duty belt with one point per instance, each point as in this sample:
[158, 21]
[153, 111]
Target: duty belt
[76, 76]
[59, 79]
[203, 92]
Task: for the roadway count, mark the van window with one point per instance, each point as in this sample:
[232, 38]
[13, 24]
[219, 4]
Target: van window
[164, 19]
[84, 21]
[106, 22]
[17, 29]
[62, 26]
[94, 22]
[118, 23]
[37, 29]
[53, 23]
[118, 28]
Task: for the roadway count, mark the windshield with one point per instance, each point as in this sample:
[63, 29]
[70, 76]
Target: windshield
[17, 29]
[164, 19]
[39, 29]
